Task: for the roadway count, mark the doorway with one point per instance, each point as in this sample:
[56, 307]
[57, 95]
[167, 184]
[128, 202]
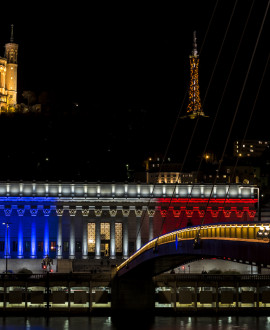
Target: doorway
[105, 248]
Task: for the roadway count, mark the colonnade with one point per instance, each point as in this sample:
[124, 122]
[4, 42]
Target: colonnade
[41, 233]
[112, 220]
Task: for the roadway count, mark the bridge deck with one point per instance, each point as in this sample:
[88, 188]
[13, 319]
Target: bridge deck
[172, 244]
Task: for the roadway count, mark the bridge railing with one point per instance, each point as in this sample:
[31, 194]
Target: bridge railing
[247, 232]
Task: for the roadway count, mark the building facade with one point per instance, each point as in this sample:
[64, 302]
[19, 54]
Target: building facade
[8, 76]
[96, 220]
[249, 148]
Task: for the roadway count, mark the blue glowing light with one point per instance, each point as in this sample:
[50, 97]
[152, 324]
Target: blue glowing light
[20, 239]
[33, 239]
[46, 236]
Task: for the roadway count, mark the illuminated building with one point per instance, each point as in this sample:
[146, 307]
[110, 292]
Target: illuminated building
[249, 148]
[108, 220]
[159, 171]
[8, 76]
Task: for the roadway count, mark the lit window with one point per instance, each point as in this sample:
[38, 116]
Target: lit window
[91, 237]
[118, 237]
[243, 145]
[53, 246]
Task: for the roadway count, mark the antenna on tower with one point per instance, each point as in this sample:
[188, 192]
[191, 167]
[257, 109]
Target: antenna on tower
[12, 34]
[194, 51]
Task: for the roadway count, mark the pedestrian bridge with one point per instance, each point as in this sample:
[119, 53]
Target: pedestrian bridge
[241, 242]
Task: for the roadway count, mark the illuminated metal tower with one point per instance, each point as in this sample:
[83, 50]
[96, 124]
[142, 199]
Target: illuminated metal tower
[194, 108]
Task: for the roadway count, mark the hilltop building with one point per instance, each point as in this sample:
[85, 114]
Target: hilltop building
[249, 148]
[8, 76]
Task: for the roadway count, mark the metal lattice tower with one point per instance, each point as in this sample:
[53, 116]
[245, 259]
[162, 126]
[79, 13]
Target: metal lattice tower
[194, 108]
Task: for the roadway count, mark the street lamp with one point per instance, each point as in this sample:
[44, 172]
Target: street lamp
[7, 226]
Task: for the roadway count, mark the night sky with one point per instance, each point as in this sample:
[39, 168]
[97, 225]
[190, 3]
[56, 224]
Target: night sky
[112, 80]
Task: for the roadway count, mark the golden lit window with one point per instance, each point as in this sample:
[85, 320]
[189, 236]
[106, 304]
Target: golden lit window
[91, 242]
[105, 230]
[118, 237]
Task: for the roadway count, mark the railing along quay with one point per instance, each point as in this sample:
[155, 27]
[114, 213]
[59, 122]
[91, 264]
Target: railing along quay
[90, 294]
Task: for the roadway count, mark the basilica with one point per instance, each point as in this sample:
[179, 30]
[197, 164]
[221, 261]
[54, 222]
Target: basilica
[8, 76]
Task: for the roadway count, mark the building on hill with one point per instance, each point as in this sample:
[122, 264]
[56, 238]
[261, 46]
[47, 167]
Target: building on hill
[8, 76]
[249, 148]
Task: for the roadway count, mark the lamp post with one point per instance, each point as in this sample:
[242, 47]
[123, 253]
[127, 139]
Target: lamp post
[7, 224]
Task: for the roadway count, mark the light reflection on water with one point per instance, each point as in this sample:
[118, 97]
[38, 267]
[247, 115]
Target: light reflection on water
[159, 323]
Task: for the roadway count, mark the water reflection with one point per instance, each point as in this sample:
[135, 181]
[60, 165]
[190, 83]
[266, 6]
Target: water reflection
[159, 323]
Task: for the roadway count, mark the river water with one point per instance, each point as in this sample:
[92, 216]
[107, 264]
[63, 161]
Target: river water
[159, 323]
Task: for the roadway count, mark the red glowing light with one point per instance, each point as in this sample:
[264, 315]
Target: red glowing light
[212, 200]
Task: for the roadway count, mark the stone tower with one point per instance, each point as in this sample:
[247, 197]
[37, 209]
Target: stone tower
[11, 55]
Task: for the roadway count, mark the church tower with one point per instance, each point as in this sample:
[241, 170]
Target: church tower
[11, 55]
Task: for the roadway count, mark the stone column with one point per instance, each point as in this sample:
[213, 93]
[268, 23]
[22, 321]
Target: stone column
[7, 232]
[85, 213]
[72, 213]
[138, 213]
[98, 213]
[151, 213]
[33, 212]
[125, 233]
[113, 213]
[20, 212]
[59, 246]
[46, 245]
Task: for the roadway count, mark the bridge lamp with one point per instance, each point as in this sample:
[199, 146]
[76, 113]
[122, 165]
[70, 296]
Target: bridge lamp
[260, 233]
[266, 232]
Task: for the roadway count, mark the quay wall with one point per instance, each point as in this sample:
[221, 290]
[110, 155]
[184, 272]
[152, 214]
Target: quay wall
[91, 294]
